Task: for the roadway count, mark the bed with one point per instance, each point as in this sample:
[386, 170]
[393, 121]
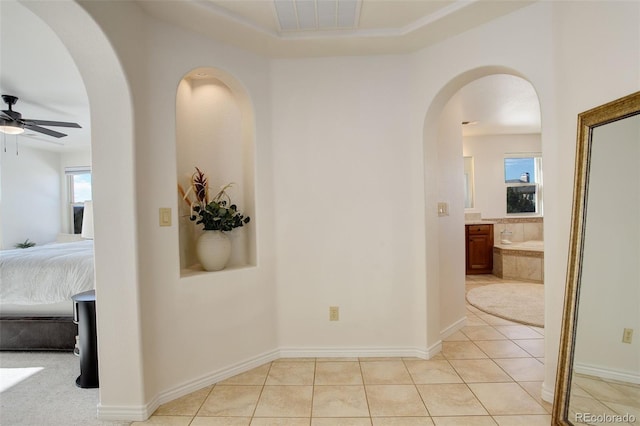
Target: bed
[36, 286]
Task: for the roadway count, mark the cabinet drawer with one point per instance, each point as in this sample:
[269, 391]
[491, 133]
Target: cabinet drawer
[479, 229]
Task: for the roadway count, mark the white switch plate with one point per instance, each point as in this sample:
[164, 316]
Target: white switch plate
[443, 209]
[165, 216]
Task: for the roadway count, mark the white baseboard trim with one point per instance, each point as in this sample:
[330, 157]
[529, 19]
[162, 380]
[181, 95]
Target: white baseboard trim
[604, 373]
[351, 352]
[434, 349]
[143, 412]
[547, 393]
[456, 326]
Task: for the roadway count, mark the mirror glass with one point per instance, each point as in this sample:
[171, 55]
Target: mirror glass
[468, 183]
[599, 368]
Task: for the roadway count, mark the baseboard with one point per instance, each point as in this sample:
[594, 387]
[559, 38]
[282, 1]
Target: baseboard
[352, 352]
[141, 413]
[456, 326]
[604, 373]
[547, 393]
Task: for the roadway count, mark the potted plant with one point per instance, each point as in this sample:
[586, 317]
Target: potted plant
[217, 215]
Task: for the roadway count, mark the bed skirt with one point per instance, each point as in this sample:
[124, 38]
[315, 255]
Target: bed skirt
[55, 333]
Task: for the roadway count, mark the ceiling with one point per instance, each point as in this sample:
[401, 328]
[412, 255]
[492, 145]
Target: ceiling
[49, 85]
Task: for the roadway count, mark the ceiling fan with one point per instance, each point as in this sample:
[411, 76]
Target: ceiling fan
[11, 122]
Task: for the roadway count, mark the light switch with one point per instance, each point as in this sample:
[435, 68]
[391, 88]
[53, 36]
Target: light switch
[165, 216]
[443, 209]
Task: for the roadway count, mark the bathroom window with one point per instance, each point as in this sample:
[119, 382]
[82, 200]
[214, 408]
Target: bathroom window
[523, 183]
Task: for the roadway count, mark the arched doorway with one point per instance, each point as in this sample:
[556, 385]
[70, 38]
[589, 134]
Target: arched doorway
[119, 335]
[444, 236]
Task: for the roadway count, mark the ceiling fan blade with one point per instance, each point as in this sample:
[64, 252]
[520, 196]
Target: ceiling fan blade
[5, 116]
[44, 130]
[51, 123]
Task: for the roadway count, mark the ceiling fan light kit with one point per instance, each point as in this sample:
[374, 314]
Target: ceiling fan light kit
[12, 123]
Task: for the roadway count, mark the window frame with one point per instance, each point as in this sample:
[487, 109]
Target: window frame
[72, 205]
[536, 181]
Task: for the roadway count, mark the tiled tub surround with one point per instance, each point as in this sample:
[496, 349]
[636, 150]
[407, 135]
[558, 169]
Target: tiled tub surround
[523, 259]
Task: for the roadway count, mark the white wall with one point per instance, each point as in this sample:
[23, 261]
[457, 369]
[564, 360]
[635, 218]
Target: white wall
[345, 211]
[488, 154]
[31, 191]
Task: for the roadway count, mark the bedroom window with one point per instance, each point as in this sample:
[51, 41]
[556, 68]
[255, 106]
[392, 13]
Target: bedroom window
[523, 181]
[79, 190]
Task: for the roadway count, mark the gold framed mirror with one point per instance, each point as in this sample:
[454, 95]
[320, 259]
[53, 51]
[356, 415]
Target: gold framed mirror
[598, 377]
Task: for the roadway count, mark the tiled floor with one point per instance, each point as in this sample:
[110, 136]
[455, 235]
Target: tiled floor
[489, 373]
[607, 397]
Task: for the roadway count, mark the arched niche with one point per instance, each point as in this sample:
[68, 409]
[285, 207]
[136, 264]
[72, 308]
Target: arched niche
[215, 132]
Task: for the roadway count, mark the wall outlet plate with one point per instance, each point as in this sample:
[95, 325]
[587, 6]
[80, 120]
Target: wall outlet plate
[627, 335]
[334, 313]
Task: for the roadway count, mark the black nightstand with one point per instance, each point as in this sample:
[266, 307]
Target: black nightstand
[84, 314]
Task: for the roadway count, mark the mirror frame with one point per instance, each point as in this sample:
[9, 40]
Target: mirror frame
[587, 121]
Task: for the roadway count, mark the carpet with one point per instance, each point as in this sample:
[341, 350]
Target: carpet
[39, 389]
[519, 302]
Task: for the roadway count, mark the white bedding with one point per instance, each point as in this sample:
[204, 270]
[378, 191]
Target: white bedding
[46, 274]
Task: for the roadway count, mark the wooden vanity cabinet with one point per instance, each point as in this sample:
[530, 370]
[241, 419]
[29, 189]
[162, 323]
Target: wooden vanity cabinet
[479, 249]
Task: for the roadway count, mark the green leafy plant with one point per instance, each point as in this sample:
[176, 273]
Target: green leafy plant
[215, 214]
[25, 244]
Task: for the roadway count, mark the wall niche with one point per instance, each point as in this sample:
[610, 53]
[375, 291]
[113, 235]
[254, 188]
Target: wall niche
[215, 132]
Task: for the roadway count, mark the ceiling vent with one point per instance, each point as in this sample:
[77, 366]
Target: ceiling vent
[307, 15]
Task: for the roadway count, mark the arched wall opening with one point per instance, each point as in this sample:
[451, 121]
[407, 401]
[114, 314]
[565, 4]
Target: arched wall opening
[444, 239]
[215, 131]
[121, 369]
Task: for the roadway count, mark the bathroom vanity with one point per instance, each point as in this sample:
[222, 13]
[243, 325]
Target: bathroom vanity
[478, 248]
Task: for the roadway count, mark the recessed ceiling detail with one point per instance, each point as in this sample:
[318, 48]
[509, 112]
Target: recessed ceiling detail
[309, 15]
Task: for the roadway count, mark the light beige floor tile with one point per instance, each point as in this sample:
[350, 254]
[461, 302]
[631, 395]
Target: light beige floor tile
[187, 405]
[462, 350]
[578, 406]
[292, 421]
[480, 371]
[604, 391]
[385, 372]
[464, 421]
[473, 319]
[220, 421]
[232, 401]
[625, 410]
[506, 399]
[539, 330]
[518, 332]
[339, 401]
[522, 369]
[502, 349]
[629, 389]
[426, 372]
[493, 320]
[379, 358]
[341, 422]
[402, 421]
[256, 376]
[458, 336]
[450, 400]
[165, 421]
[438, 357]
[482, 332]
[534, 346]
[296, 359]
[291, 373]
[530, 420]
[394, 400]
[535, 390]
[285, 401]
[338, 373]
[336, 359]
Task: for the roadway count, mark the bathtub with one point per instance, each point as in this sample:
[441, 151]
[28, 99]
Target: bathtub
[522, 260]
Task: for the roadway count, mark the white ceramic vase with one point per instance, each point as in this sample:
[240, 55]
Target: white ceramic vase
[213, 249]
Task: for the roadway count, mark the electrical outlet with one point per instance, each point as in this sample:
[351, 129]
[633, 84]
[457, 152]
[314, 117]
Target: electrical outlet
[627, 335]
[334, 313]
